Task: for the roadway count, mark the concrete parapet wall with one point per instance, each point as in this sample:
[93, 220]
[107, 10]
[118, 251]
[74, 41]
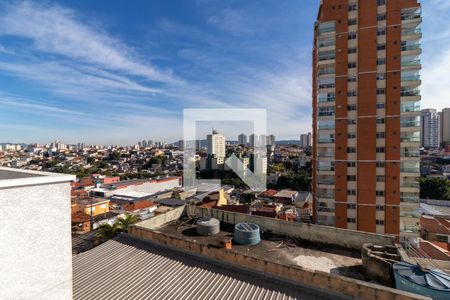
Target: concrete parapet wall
[334, 284]
[160, 220]
[351, 239]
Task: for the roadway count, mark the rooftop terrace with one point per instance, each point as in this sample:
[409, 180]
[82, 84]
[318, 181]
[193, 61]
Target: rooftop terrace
[15, 177]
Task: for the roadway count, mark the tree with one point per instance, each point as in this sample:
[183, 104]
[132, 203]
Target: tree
[124, 223]
[108, 231]
[434, 188]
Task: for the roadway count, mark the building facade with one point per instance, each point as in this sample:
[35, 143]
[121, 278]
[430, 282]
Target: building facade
[305, 140]
[242, 139]
[430, 128]
[216, 144]
[445, 125]
[366, 115]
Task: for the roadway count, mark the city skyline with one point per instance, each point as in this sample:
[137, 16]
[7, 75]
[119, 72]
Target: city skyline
[140, 74]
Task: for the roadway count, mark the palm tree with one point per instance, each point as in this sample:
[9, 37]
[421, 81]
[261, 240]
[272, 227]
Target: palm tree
[108, 231]
[124, 223]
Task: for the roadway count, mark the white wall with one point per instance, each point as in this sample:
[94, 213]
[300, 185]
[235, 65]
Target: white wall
[35, 242]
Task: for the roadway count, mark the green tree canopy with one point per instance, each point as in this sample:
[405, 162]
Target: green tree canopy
[434, 188]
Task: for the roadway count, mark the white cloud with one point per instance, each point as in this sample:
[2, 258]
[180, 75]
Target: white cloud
[57, 30]
[232, 21]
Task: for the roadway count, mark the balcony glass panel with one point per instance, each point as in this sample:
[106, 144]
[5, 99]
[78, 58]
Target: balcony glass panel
[409, 152]
[410, 45]
[408, 92]
[327, 97]
[329, 180]
[326, 42]
[409, 197]
[326, 124]
[326, 138]
[326, 111]
[325, 166]
[409, 167]
[410, 121]
[326, 55]
[410, 14]
[411, 31]
[410, 106]
[326, 27]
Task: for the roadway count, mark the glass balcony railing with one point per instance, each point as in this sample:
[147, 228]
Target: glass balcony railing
[411, 63]
[410, 106]
[325, 141]
[326, 71]
[326, 209]
[410, 153]
[326, 181]
[410, 184]
[410, 139]
[411, 47]
[410, 229]
[325, 168]
[410, 93]
[410, 169]
[409, 214]
[411, 78]
[410, 123]
[326, 127]
[410, 199]
[326, 113]
[326, 99]
[326, 154]
[411, 31]
[410, 16]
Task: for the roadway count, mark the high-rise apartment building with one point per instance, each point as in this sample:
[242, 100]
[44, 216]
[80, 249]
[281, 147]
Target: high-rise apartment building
[366, 115]
[242, 139]
[445, 125]
[305, 140]
[216, 144]
[430, 128]
[270, 140]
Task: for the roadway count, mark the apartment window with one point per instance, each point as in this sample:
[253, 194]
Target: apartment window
[351, 79]
[351, 192]
[351, 22]
[352, 35]
[351, 220]
[381, 76]
[351, 177]
[380, 164]
[380, 135]
[381, 2]
[351, 93]
[351, 205]
[352, 7]
[379, 207]
[381, 31]
[351, 107]
[380, 105]
[351, 164]
[380, 120]
[381, 17]
[351, 150]
[380, 149]
[381, 47]
[379, 222]
[380, 178]
[381, 61]
[352, 50]
[351, 121]
[379, 193]
[381, 91]
[351, 136]
[351, 65]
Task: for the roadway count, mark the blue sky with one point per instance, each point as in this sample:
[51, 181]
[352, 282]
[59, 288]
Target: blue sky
[115, 72]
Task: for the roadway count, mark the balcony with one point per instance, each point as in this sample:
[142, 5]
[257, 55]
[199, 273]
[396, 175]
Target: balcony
[411, 78]
[326, 140]
[415, 153]
[325, 168]
[409, 169]
[326, 155]
[326, 209]
[326, 181]
[409, 139]
[410, 229]
[412, 106]
[326, 127]
[413, 33]
[411, 63]
[410, 184]
[413, 123]
[324, 71]
[409, 198]
[326, 99]
[409, 214]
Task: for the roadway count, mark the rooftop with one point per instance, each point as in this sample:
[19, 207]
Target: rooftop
[136, 269]
[16, 177]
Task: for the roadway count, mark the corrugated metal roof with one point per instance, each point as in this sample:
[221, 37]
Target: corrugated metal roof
[129, 268]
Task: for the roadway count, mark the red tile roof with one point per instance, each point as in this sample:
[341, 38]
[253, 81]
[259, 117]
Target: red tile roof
[435, 225]
[433, 251]
[139, 205]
